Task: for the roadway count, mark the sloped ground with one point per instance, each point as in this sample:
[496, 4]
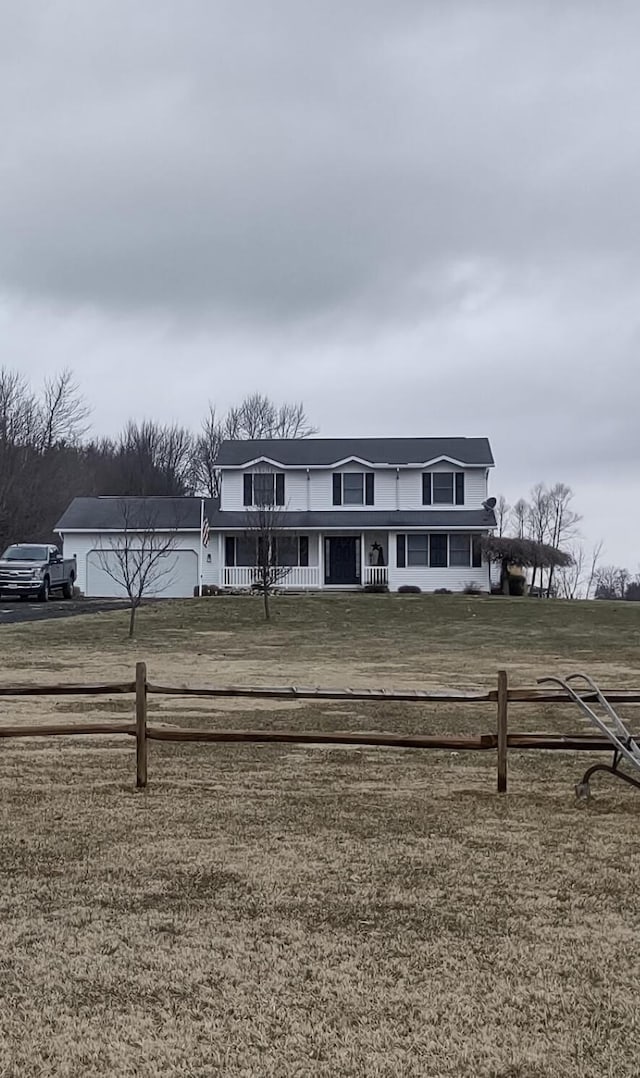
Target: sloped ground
[294, 911]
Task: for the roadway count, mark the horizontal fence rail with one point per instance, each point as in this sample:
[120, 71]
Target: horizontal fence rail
[311, 692]
[109, 688]
[499, 741]
[590, 742]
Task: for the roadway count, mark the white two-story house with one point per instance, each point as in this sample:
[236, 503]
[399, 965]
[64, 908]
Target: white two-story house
[346, 513]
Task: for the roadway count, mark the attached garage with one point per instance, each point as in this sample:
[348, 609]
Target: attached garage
[176, 578]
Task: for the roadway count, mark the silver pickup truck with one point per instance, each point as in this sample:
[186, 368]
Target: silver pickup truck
[36, 569]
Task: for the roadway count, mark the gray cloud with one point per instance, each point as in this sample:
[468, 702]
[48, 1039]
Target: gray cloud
[419, 217]
[188, 156]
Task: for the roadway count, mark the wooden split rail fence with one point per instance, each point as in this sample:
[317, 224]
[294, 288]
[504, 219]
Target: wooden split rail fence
[500, 740]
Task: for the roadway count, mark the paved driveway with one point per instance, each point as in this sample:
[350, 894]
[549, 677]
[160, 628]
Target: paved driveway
[14, 611]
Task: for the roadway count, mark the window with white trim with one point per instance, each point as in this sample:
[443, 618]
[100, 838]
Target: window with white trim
[263, 488]
[291, 550]
[417, 549]
[353, 488]
[459, 549]
[240, 550]
[443, 488]
[243, 550]
[438, 550]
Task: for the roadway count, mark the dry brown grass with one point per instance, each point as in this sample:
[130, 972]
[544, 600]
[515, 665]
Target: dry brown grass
[286, 911]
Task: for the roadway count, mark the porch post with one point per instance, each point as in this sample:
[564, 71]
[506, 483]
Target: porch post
[220, 559]
[320, 559]
[362, 561]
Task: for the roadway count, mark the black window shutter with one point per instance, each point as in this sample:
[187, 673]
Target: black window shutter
[426, 488]
[476, 551]
[304, 550]
[229, 550]
[459, 488]
[248, 489]
[401, 551]
[337, 489]
[279, 488]
[369, 487]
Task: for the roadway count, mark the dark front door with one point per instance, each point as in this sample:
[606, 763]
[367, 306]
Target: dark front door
[341, 560]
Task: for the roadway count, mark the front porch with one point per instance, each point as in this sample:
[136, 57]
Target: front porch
[298, 577]
[312, 562]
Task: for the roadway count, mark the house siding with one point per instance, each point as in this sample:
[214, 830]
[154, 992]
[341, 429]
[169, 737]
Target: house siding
[80, 545]
[455, 579]
[394, 488]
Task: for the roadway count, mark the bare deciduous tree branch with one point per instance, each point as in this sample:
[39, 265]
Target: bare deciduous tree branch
[136, 558]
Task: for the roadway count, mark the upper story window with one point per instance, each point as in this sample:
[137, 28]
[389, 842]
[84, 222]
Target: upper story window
[353, 488]
[443, 488]
[263, 488]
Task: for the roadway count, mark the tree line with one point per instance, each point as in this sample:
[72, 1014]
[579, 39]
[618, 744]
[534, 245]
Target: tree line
[48, 456]
[548, 517]
[617, 583]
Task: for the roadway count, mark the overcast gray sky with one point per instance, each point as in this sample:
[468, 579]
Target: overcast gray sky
[419, 217]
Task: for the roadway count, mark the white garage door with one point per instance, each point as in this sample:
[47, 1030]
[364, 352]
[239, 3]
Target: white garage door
[179, 575]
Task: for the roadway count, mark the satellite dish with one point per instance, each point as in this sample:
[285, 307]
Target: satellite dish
[490, 503]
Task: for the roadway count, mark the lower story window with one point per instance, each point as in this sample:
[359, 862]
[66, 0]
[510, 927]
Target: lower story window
[439, 550]
[292, 550]
[459, 550]
[417, 550]
[239, 550]
[243, 550]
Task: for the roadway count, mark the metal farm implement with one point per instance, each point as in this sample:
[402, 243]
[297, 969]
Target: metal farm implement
[588, 696]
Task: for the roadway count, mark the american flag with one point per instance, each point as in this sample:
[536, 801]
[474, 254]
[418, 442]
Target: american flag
[205, 532]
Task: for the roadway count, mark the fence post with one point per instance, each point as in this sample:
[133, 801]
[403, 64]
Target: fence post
[141, 725]
[503, 705]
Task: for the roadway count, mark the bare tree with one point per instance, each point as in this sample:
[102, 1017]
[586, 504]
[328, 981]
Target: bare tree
[292, 422]
[258, 417]
[570, 578]
[266, 538]
[206, 446]
[596, 554]
[519, 516]
[538, 524]
[563, 522]
[624, 579]
[612, 582]
[154, 459]
[139, 558]
[19, 418]
[502, 512]
[19, 448]
[63, 411]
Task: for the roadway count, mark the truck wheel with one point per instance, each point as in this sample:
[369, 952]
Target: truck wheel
[45, 591]
[67, 589]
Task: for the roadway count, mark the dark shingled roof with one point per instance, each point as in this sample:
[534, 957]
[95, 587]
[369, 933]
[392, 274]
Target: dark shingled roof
[356, 519]
[107, 514]
[324, 452]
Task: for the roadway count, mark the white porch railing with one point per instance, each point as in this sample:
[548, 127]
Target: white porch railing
[375, 574]
[298, 576]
